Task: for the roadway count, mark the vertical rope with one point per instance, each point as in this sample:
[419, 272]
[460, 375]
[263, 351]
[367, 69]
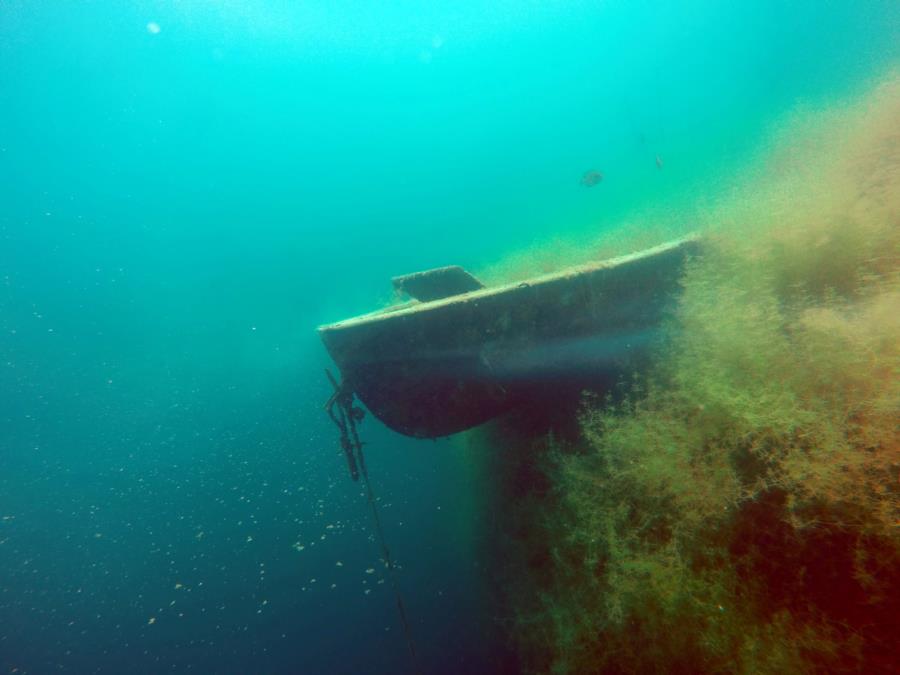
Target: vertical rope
[343, 397]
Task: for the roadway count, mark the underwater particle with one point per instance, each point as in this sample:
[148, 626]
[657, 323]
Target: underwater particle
[370, 570]
[659, 162]
[339, 564]
[151, 621]
[249, 538]
[333, 586]
[437, 42]
[153, 28]
[367, 591]
[591, 178]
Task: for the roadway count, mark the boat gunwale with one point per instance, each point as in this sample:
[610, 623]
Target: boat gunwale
[414, 307]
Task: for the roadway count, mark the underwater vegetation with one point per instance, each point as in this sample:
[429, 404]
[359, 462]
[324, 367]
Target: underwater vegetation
[737, 507]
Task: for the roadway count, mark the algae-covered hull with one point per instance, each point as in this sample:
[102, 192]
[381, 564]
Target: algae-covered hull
[434, 368]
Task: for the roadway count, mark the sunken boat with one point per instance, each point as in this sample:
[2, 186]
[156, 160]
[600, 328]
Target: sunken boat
[459, 354]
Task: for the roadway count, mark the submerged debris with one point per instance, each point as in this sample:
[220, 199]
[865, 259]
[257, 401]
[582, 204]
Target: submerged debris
[432, 369]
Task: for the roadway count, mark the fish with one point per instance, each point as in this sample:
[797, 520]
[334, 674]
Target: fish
[659, 162]
[591, 178]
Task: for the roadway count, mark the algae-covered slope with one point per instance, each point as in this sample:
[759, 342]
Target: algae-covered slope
[737, 509]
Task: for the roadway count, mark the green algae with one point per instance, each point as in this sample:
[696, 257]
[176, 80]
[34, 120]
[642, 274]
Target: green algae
[735, 509]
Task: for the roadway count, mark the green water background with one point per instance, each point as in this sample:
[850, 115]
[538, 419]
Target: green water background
[180, 208]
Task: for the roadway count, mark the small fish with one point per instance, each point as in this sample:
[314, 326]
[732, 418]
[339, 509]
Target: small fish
[591, 178]
[659, 162]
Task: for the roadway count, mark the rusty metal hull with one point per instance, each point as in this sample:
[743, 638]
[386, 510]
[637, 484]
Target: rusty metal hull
[435, 368]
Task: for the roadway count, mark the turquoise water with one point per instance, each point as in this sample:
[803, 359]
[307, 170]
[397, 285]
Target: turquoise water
[189, 189]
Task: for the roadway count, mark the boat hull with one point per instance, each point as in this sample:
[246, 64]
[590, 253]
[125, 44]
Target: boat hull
[436, 368]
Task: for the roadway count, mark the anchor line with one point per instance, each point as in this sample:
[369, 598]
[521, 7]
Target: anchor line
[346, 419]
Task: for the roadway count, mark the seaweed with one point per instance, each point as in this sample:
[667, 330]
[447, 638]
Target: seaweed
[736, 508]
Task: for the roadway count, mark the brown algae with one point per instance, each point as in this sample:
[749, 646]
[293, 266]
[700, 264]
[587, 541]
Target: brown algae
[738, 508]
